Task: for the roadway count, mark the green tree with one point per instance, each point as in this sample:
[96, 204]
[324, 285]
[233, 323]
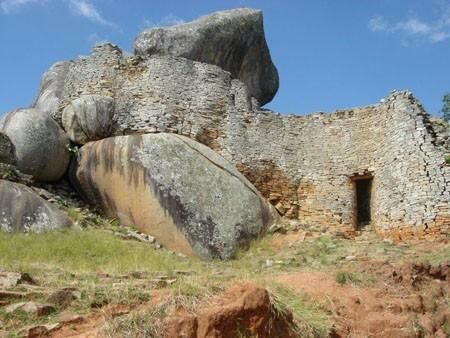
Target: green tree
[446, 107]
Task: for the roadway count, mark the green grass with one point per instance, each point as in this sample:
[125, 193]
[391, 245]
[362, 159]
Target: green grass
[139, 324]
[92, 251]
[20, 318]
[446, 328]
[415, 327]
[85, 218]
[80, 255]
[447, 159]
[77, 257]
[348, 277]
[97, 295]
[310, 319]
[194, 287]
[323, 251]
[439, 256]
[74, 214]
[345, 277]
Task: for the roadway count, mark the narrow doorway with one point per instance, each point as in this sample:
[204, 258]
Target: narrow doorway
[363, 192]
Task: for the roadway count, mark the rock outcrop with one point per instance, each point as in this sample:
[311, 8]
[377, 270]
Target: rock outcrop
[7, 150]
[88, 118]
[207, 209]
[183, 193]
[40, 144]
[233, 40]
[22, 210]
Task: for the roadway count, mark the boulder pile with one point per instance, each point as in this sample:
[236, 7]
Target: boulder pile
[112, 125]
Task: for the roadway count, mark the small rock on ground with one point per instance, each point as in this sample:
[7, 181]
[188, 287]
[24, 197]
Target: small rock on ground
[33, 308]
[12, 279]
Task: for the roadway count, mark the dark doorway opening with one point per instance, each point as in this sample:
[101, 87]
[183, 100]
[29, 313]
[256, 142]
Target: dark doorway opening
[363, 191]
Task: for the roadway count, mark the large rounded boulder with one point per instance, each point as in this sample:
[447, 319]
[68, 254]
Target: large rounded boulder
[40, 144]
[88, 118]
[22, 210]
[51, 89]
[183, 193]
[233, 40]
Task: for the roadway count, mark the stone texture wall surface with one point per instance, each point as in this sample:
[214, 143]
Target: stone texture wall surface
[412, 193]
[303, 164]
[318, 155]
[157, 94]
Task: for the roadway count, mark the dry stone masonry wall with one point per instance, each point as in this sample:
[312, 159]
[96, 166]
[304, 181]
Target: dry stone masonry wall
[307, 166]
[303, 164]
[414, 181]
[157, 94]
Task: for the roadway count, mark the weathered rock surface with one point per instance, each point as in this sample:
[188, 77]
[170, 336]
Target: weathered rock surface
[233, 40]
[40, 144]
[12, 279]
[64, 297]
[88, 118]
[183, 193]
[7, 150]
[23, 210]
[51, 88]
[33, 308]
[39, 331]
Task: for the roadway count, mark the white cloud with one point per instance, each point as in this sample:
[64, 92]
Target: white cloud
[415, 28]
[378, 24]
[8, 6]
[168, 20]
[439, 36]
[87, 10]
[82, 8]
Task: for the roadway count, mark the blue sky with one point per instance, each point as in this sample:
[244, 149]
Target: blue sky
[330, 54]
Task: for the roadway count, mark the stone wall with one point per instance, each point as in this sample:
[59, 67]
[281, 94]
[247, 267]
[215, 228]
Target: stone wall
[414, 180]
[157, 94]
[305, 165]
